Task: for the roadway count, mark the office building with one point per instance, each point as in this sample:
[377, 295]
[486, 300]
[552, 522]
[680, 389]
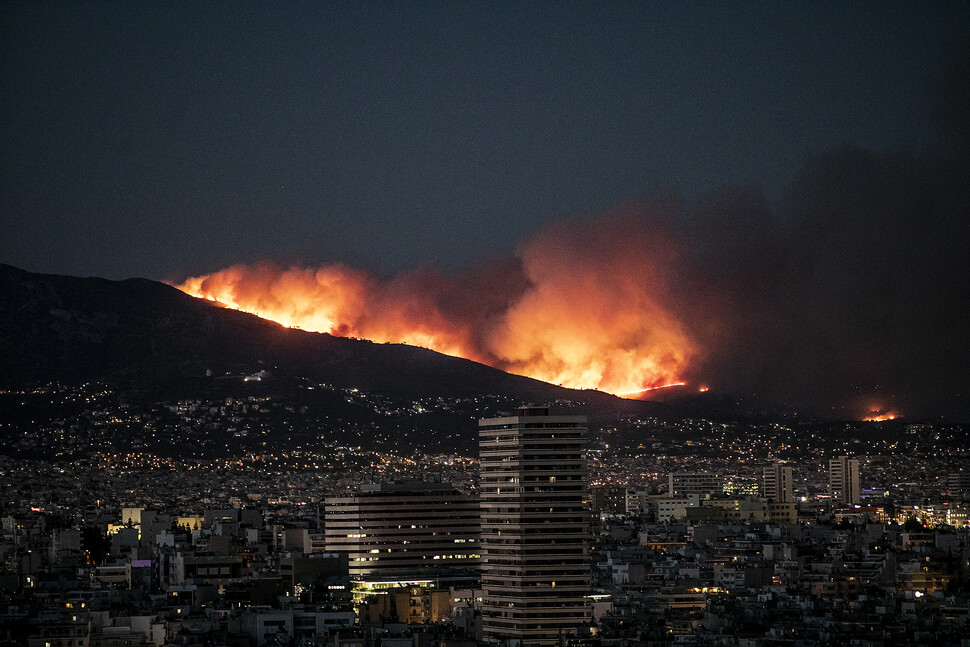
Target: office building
[778, 483]
[405, 530]
[535, 555]
[844, 480]
[702, 484]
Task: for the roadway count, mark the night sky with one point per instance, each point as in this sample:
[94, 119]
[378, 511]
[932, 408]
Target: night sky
[808, 161]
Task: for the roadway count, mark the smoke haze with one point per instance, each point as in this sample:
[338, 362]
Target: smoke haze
[585, 303]
[848, 297]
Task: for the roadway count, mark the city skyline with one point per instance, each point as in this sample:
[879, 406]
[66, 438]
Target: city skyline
[645, 530]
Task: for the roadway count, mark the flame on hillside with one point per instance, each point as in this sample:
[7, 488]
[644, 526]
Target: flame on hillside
[880, 416]
[582, 306]
[644, 394]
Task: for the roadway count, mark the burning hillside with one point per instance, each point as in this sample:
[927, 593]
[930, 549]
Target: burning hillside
[584, 305]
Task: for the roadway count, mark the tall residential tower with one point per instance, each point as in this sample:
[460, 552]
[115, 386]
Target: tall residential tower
[535, 554]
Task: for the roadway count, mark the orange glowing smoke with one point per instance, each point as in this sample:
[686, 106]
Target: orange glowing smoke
[583, 306]
[880, 416]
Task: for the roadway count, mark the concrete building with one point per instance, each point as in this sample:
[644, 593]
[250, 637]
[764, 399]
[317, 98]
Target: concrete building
[778, 483]
[209, 569]
[782, 513]
[844, 480]
[410, 530]
[958, 483]
[608, 499]
[535, 555]
[299, 573]
[669, 508]
[700, 483]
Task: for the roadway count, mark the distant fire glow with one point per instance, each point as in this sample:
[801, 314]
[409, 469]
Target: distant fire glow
[581, 307]
[643, 393]
[880, 416]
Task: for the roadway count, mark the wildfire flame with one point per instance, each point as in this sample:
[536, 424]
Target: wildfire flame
[581, 306]
[643, 393]
[880, 416]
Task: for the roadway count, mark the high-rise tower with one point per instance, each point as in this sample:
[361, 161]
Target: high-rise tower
[778, 483]
[535, 555]
[844, 479]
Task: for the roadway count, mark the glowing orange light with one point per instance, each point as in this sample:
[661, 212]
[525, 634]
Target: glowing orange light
[880, 416]
[583, 307]
[703, 389]
[553, 331]
[642, 392]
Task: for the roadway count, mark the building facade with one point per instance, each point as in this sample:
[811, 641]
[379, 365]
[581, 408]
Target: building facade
[778, 483]
[395, 530]
[844, 480]
[703, 484]
[535, 552]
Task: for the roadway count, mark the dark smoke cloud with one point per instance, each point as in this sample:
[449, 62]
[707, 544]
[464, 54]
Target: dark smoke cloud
[854, 292]
[850, 295]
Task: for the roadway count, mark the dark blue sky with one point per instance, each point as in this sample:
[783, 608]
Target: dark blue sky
[168, 139]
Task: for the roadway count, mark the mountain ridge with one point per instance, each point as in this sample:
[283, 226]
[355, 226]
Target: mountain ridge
[149, 335]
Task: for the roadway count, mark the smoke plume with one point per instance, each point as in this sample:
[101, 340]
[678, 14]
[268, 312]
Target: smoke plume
[585, 304]
[849, 296]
